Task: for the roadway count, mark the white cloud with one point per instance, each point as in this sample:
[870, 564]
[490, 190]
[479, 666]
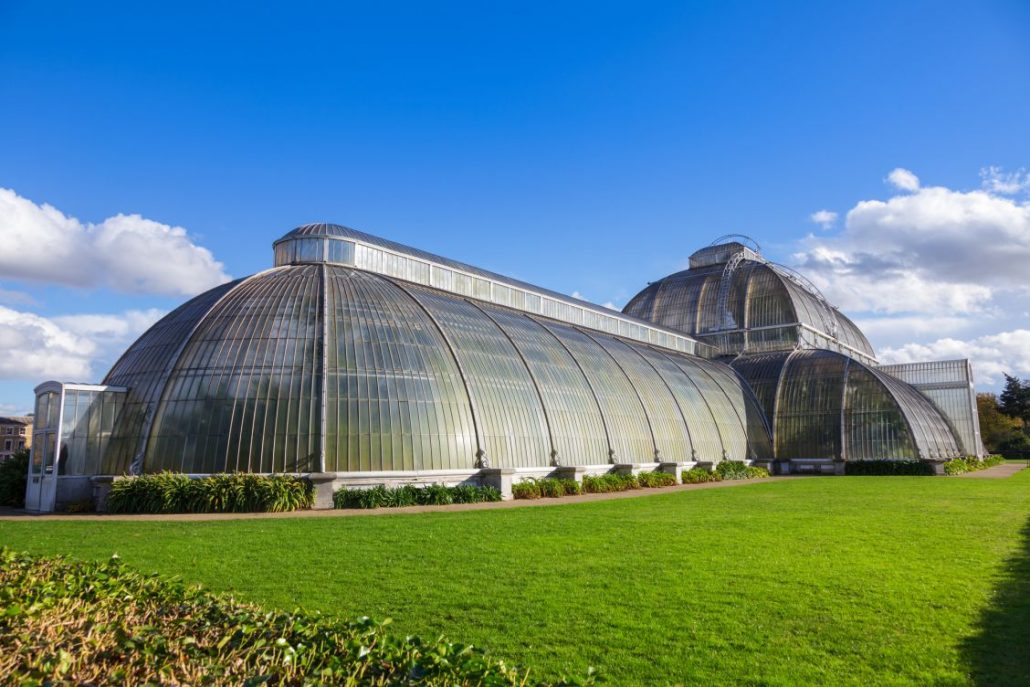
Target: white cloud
[903, 179]
[126, 252]
[935, 250]
[69, 348]
[991, 354]
[578, 296]
[824, 218]
[996, 180]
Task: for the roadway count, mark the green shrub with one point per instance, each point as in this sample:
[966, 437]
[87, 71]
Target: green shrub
[470, 493]
[169, 492]
[956, 467]
[887, 467]
[699, 475]
[1014, 445]
[611, 482]
[656, 479]
[736, 470]
[13, 474]
[555, 488]
[991, 461]
[527, 489]
[100, 623]
[436, 495]
[381, 496]
[572, 487]
[731, 469]
[971, 464]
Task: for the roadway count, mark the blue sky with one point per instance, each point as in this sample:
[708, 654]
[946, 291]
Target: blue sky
[586, 147]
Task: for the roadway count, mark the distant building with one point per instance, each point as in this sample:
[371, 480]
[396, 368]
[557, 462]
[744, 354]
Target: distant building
[15, 435]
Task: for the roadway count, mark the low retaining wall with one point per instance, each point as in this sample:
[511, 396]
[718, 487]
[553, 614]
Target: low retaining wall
[502, 479]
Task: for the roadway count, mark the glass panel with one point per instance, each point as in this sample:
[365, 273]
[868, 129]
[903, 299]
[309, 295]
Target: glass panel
[392, 383]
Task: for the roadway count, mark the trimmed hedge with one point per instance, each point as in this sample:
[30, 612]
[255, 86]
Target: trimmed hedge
[66, 622]
[13, 474]
[381, 496]
[170, 492]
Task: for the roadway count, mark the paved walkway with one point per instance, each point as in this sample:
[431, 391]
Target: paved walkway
[11, 514]
[997, 472]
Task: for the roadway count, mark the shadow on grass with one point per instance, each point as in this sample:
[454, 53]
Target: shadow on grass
[999, 654]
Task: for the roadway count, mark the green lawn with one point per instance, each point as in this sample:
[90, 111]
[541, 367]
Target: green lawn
[857, 580]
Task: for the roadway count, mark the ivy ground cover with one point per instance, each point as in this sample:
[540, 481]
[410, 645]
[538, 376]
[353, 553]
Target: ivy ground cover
[842, 581]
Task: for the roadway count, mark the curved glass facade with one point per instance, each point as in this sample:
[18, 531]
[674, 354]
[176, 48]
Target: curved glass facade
[825, 405]
[314, 366]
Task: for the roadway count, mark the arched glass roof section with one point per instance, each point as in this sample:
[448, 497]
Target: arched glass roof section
[737, 301]
[823, 404]
[337, 244]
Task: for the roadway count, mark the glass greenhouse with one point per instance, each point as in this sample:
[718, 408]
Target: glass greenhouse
[369, 361]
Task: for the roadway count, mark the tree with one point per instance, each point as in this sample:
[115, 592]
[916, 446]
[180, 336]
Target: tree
[1015, 399]
[13, 473]
[995, 426]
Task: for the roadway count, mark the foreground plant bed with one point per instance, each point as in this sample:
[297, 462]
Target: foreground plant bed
[100, 624]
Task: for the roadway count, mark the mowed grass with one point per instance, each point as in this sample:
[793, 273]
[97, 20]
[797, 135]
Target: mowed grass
[842, 581]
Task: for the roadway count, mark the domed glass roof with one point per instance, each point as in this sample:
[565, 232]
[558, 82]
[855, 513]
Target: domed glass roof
[732, 298]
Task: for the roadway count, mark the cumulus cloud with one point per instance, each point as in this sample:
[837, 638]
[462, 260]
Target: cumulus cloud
[903, 179]
[933, 250]
[824, 218]
[991, 355]
[71, 348]
[126, 252]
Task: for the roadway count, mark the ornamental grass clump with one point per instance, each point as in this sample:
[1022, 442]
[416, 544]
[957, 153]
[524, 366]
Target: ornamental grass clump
[71, 623]
[169, 492]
